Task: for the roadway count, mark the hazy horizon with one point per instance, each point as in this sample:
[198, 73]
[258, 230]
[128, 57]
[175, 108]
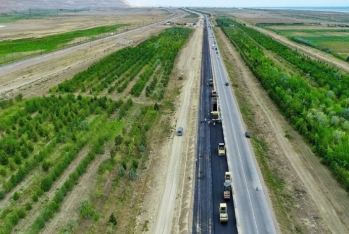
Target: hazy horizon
[241, 3]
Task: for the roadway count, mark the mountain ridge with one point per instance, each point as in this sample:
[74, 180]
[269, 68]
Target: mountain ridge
[22, 5]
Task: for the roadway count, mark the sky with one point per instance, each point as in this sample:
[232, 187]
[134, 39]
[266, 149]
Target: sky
[242, 3]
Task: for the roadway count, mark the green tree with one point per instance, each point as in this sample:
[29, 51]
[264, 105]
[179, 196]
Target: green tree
[112, 220]
[15, 196]
[46, 165]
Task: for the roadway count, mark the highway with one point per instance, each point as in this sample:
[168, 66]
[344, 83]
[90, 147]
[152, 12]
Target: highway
[253, 214]
[10, 67]
[210, 168]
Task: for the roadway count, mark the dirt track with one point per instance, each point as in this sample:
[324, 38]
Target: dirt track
[315, 192]
[173, 178]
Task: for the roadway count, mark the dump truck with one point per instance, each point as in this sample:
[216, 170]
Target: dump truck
[227, 185]
[223, 213]
[210, 82]
[221, 149]
[214, 115]
[227, 176]
[226, 190]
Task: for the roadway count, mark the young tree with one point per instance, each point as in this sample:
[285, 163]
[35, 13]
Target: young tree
[112, 220]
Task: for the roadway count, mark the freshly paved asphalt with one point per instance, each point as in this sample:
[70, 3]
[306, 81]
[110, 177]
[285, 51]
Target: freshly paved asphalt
[253, 213]
[210, 167]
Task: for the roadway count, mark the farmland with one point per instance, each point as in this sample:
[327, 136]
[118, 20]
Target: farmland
[151, 60]
[18, 49]
[48, 143]
[311, 97]
[334, 41]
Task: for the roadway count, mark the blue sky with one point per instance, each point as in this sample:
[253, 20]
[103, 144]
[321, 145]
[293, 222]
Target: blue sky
[241, 3]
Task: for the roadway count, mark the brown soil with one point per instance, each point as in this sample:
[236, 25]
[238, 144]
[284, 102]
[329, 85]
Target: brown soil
[186, 116]
[79, 21]
[37, 79]
[317, 203]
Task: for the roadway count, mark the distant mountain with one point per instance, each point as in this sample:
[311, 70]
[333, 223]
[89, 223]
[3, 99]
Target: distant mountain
[22, 5]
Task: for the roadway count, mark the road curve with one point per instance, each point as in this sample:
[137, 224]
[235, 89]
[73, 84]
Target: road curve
[253, 214]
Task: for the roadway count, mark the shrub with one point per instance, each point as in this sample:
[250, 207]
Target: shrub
[28, 206]
[112, 220]
[86, 209]
[35, 198]
[46, 184]
[46, 165]
[2, 195]
[15, 196]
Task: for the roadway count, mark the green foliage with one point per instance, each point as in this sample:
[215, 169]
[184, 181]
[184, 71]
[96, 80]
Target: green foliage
[313, 110]
[117, 70]
[118, 140]
[28, 206]
[112, 220]
[15, 196]
[86, 210]
[46, 184]
[46, 165]
[53, 42]
[132, 174]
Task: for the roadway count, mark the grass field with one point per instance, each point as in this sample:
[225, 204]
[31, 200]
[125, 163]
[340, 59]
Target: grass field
[331, 40]
[18, 49]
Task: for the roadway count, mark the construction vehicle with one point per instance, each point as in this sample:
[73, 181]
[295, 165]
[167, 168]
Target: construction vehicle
[213, 93]
[214, 115]
[210, 82]
[227, 176]
[223, 213]
[221, 149]
[227, 185]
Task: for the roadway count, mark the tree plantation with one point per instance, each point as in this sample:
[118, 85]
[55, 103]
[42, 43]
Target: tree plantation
[313, 97]
[48, 143]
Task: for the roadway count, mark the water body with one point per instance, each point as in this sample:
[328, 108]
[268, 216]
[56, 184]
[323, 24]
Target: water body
[328, 9]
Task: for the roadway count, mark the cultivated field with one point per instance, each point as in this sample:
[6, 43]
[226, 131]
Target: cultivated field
[332, 40]
[52, 32]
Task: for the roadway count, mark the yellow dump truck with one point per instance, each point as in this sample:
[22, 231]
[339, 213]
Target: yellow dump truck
[221, 149]
[223, 213]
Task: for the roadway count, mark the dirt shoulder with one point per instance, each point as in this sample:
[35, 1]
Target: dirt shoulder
[174, 163]
[311, 200]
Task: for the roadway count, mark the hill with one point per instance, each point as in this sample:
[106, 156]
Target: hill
[22, 5]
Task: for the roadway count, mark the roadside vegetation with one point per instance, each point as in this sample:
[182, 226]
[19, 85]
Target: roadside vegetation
[48, 143]
[152, 60]
[12, 50]
[315, 102]
[330, 40]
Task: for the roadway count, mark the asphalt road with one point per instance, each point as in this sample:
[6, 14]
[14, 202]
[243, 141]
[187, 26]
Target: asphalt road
[8, 68]
[253, 213]
[210, 168]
